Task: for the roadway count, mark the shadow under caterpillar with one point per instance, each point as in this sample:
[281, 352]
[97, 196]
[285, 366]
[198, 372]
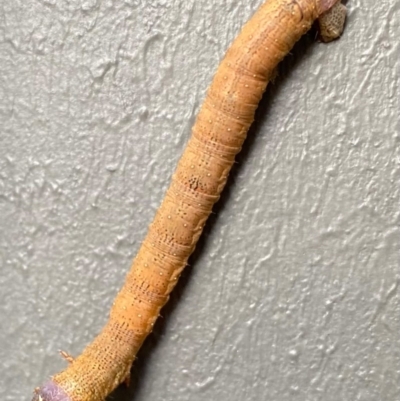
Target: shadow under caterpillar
[217, 137]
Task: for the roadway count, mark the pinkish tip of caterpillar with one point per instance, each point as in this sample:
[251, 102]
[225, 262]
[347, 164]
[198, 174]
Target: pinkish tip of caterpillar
[50, 391]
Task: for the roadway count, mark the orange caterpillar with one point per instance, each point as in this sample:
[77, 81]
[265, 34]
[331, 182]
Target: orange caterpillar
[217, 137]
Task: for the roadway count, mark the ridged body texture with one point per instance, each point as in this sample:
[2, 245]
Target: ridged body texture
[217, 137]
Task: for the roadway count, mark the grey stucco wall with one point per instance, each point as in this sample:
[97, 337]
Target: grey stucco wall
[293, 294]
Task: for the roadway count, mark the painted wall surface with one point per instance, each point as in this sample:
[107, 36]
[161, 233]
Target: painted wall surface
[294, 291]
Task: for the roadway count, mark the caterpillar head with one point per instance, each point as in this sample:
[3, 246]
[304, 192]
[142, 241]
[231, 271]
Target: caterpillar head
[331, 20]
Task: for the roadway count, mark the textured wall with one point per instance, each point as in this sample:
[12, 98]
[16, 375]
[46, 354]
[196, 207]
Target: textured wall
[294, 292]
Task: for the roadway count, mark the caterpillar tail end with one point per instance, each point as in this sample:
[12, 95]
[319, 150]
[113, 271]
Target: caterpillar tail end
[50, 391]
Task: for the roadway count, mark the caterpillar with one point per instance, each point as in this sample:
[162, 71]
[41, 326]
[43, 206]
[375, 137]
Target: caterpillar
[217, 137]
